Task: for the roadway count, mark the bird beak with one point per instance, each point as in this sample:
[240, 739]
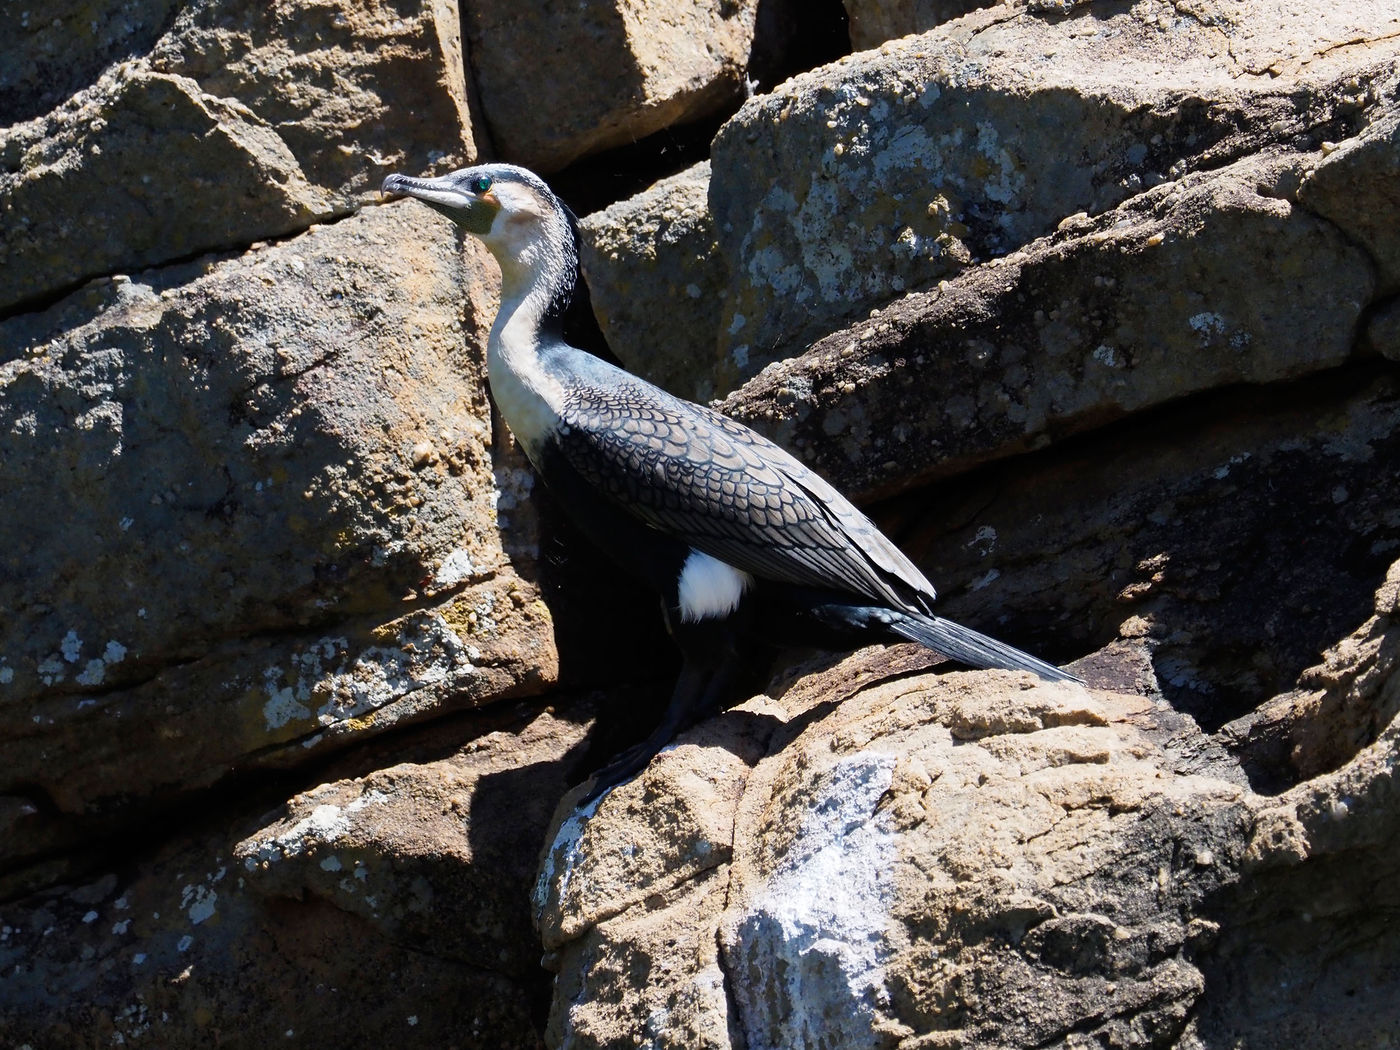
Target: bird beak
[445, 194]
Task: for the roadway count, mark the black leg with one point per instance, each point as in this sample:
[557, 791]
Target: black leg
[713, 665]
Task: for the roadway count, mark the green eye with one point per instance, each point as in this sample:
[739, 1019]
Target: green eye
[481, 184]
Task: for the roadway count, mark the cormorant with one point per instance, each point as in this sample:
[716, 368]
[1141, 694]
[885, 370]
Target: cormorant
[738, 537]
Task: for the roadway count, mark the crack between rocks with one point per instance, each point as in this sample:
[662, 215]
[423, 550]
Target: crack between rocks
[39, 303]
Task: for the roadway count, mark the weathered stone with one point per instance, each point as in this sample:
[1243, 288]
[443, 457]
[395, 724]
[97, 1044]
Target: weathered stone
[1340, 707]
[77, 206]
[974, 859]
[1357, 186]
[1212, 280]
[355, 90]
[1383, 333]
[48, 55]
[228, 131]
[285, 932]
[889, 170]
[618, 71]
[255, 462]
[656, 281]
[1158, 533]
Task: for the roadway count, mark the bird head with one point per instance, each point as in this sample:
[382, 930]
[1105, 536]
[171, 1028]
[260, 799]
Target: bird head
[501, 204]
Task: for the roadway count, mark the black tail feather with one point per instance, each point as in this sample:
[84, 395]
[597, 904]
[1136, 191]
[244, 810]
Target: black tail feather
[970, 647]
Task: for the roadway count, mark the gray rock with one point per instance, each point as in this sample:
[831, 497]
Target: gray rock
[872, 22]
[1357, 186]
[80, 205]
[890, 170]
[1208, 281]
[978, 859]
[657, 282]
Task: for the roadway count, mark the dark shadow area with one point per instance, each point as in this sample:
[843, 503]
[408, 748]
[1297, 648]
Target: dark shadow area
[1239, 533]
[793, 36]
[594, 182]
[1305, 957]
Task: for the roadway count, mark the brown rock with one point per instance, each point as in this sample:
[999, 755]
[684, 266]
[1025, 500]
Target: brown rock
[618, 71]
[224, 130]
[657, 283]
[234, 451]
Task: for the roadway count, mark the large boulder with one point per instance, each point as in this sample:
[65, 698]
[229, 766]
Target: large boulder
[978, 860]
[260, 519]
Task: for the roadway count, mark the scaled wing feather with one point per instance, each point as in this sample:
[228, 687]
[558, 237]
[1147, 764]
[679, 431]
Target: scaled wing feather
[729, 492]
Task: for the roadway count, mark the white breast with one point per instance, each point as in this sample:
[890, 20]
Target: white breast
[710, 587]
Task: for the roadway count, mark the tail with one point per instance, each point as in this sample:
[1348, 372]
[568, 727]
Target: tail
[970, 647]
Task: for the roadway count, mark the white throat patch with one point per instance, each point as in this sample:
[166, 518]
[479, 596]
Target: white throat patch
[710, 587]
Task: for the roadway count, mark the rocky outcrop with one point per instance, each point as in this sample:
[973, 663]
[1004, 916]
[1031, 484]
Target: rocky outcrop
[971, 860]
[227, 128]
[316, 403]
[892, 170]
[1097, 301]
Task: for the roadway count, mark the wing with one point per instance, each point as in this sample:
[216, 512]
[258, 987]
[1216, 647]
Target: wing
[728, 491]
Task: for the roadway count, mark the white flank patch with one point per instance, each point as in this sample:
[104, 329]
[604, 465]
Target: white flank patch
[709, 587]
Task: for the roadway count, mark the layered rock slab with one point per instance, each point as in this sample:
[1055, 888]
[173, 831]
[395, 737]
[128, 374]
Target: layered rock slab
[262, 517]
[1216, 279]
[224, 128]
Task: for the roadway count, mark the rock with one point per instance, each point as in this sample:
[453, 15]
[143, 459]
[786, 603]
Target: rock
[256, 462]
[355, 91]
[971, 858]
[1154, 533]
[241, 183]
[1341, 705]
[887, 171]
[1145, 304]
[656, 281]
[288, 930]
[621, 71]
[1356, 186]
[227, 131]
[860, 893]
[45, 57]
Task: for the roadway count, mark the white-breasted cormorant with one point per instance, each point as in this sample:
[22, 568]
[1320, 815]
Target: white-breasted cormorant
[740, 539]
